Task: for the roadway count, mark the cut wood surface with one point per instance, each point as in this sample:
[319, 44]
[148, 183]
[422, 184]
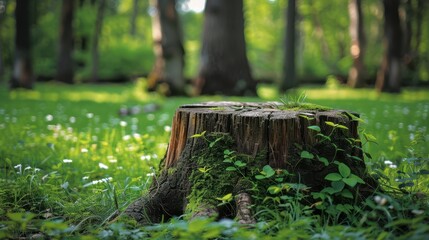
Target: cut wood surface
[256, 127]
[267, 134]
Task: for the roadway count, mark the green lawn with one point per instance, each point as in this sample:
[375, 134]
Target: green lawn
[69, 161]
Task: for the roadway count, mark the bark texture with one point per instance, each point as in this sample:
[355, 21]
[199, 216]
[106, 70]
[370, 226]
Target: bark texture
[65, 70]
[264, 134]
[22, 76]
[224, 67]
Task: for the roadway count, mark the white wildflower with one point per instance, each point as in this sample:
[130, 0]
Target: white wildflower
[167, 128]
[103, 166]
[49, 117]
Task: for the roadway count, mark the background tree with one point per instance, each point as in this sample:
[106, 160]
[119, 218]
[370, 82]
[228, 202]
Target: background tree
[133, 20]
[168, 48]
[65, 70]
[224, 67]
[389, 75]
[2, 15]
[357, 49]
[22, 67]
[95, 39]
[289, 80]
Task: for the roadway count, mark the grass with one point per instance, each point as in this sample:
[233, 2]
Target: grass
[69, 162]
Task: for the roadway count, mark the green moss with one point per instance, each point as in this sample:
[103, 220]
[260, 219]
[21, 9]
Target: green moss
[171, 170]
[210, 180]
[303, 106]
[217, 108]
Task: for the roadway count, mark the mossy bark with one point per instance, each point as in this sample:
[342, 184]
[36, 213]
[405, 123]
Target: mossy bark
[258, 134]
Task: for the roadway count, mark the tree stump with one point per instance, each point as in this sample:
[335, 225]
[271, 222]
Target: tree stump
[217, 148]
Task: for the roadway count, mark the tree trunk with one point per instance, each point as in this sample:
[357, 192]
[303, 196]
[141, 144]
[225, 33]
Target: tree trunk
[95, 39]
[389, 76]
[289, 80]
[2, 15]
[168, 48]
[65, 71]
[22, 76]
[224, 68]
[357, 50]
[194, 172]
[134, 15]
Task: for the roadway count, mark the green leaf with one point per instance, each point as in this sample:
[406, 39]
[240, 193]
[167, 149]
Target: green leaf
[314, 128]
[198, 135]
[369, 137]
[231, 169]
[333, 177]
[347, 194]
[367, 155]
[350, 181]
[329, 190]
[358, 179]
[307, 155]
[228, 152]
[338, 186]
[274, 189]
[324, 161]
[342, 126]
[239, 163]
[344, 170]
[268, 171]
[214, 142]
[226, 198]
[204, 169]
[259, 177]
[330, 124]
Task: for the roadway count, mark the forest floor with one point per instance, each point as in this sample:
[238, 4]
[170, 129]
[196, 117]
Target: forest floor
[71, 157]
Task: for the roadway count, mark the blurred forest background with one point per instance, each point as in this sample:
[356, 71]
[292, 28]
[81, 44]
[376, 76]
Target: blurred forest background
[117, 41]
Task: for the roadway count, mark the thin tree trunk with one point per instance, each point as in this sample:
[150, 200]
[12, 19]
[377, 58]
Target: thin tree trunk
[22, 68]
[389, 76]
[65, 71]
[224, 67]
[95, 40]
[2, 14]
[289, 80]
[134, 15]
[168, 48]
[419, 19]
[357, 49]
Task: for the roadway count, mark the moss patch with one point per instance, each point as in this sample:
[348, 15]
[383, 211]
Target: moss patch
[215, 177]
[303, 106]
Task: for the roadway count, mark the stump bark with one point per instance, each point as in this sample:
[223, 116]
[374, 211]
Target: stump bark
[193, 175]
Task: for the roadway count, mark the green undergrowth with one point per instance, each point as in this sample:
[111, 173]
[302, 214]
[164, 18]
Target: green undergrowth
[69, 162]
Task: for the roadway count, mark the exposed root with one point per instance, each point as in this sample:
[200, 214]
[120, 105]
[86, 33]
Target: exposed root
[244, 215]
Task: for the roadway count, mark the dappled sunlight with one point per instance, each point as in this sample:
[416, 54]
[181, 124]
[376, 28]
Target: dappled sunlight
[98, 93]
[270, 92]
